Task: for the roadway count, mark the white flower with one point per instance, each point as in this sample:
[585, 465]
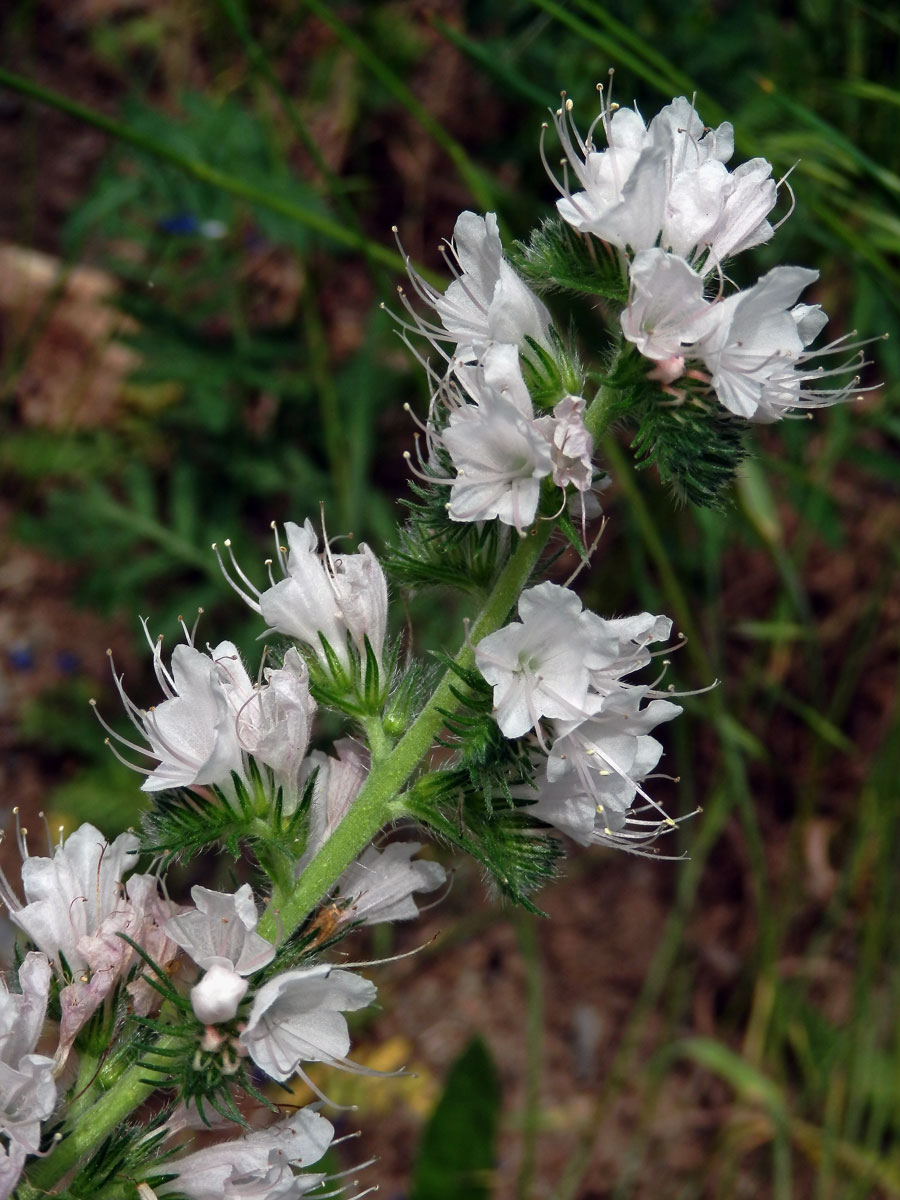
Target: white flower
[321, 596]
[539, 666]
[75, 910]
[499, 453]
[69, 896]
[613, 741]
[749, 196]
[257, 1165]
[571, 446]
[380, 884]
[620, 645]
[219, 993]
[337, 784]
[500, 459]
[487, 302]
[753, 345]
[213, 715]
[595, 771]
[665, 308]
[27, 1084]
[222, 927]
[274, 725]
[664, 185]
[296, 1018]
[192, 733]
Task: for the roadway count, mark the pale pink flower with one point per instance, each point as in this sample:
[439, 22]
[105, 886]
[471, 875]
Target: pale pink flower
[297, 1017]
[222, 925]
[258, 1166]
[27, 1083]
[337, 784]
[379, 886]
[571, 446]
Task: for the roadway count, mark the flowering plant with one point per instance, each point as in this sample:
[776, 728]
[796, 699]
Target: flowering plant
[537, 723]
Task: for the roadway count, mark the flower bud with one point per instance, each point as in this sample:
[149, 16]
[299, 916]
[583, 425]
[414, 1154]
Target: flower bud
[217, 996]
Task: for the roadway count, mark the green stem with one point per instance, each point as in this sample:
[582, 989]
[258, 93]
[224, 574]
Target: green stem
[110, 1110]
[232, 184]
[377, 802]
[380, 745]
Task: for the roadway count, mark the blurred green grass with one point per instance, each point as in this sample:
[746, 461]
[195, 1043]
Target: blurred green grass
[272, 382]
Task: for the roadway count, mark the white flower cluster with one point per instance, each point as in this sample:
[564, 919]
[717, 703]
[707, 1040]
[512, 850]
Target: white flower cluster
[216, 726]
[482, 414]
[559, 671]
[76, 910]
[660, 193]
[509, 434]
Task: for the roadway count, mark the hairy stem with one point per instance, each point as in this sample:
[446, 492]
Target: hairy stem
[377, 802]
[108, 1111]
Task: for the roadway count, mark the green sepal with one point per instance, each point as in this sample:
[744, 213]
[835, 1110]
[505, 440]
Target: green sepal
[696, 447]
[183, 823]
[197, 1073]
[335, 668]
[517, 856]
[433, 551]
[357, 690]
[124, 1158]
[567, 527]
[372, 678]
[410, 688]
[161, 983]
[472, 803]
[559, 258]
[550, 377]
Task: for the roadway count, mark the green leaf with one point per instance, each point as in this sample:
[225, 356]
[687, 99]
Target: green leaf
[456, 1155]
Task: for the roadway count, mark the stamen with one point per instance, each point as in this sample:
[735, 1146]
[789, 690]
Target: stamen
[124, 761]
[21, 835]
[461, 280]
[117, 736]
[251, 600]
[46, 823]
[280, 552]
[423, 473]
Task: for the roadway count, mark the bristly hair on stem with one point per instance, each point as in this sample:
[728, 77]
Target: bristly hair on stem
[557, 258]
[696, 447]
[433, 551]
